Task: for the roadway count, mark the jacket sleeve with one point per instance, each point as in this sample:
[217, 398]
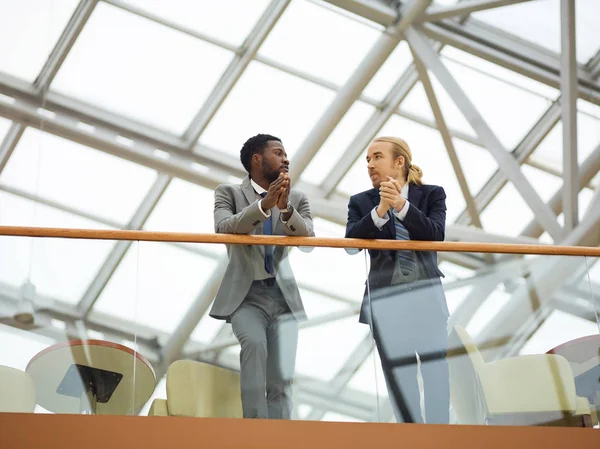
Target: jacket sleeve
[300, 223]
[227, 221]
[358, 226]
[430, 226]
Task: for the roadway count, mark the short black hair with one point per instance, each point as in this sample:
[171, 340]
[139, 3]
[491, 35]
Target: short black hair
[255, 144]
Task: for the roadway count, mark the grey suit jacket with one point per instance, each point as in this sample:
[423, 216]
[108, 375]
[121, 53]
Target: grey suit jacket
[237, 212]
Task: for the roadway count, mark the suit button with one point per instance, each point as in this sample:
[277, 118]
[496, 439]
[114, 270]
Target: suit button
[256, 223]
[292, 228]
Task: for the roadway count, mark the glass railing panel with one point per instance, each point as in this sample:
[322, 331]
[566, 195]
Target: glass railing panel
[493, 357]
[295, 334]
[56, 357]
[497, 341]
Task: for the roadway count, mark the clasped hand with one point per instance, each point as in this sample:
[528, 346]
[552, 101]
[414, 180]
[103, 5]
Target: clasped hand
[278, 193]
[390, 196]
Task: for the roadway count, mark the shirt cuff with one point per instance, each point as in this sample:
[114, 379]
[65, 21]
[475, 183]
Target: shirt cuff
[285, 221]
[377, 220]
[266, 214]
[401, 214]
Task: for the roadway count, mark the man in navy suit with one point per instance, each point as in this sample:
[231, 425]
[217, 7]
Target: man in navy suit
[404, 302]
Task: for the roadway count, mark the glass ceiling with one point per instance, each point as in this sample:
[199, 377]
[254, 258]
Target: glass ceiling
[151, 67]
[539, 22]
[267, 98]
[101, 69]
[30, 29]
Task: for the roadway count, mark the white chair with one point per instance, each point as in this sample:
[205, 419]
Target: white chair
[17, 391]
[200, 390]
[522, 390]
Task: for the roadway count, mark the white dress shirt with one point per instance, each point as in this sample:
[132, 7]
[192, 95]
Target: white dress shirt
[258, 189]
[401, 214]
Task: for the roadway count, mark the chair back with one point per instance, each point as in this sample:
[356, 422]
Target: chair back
[203, 390]
[17, 391]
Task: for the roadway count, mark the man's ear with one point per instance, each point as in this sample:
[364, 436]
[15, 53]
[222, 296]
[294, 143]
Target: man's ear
[256, 159]
[400, 160]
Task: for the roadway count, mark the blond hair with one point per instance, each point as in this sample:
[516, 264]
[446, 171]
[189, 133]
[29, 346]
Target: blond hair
[412, 173]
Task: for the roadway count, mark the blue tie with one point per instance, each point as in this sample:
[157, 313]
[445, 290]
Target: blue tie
[268, 230]
[404, 258]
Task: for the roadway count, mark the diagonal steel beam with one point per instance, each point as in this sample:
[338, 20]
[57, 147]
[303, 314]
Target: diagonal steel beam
[235, 69]
[143, 145]
[171, 350]
[431, 123]
[440, 12]
[568, 85]
[489, 43]
[275, 64]
[588, 169]
[485, 281]
[9, 143]
[520, 315]
[594, 205]
[65, 43]
[577, 303]
[47, 308]
[98, 124]
[521, 153]
[346, 372]
[312, 322]
[505, 160]
[466, 260]
[59, 206]
[593, 65]
[198, 250]
[352, 89]
[375, 11]
[505, 50]
[445, 133]
[398, 93]
[113, 259]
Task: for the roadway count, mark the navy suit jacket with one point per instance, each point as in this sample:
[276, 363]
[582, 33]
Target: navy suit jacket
[425, 220]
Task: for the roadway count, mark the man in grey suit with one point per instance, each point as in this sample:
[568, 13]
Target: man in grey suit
[259, 295]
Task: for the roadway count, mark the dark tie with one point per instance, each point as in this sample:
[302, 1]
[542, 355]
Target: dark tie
[406, 259]
[268, 230]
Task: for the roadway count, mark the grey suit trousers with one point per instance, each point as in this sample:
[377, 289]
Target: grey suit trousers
[268, 336]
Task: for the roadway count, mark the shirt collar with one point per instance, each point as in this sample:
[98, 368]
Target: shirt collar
[404, 191]
[258, 189]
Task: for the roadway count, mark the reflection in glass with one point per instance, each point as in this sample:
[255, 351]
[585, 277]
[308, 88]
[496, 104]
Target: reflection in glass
[62, 361]
[506, 362]
[60, 269]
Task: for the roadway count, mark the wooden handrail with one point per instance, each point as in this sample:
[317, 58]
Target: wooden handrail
[26, 430]
[238, 239]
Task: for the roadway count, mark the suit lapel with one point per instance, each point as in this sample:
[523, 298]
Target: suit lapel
[248, 190]
[250, 195]
[414, 195]
[373, 195]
